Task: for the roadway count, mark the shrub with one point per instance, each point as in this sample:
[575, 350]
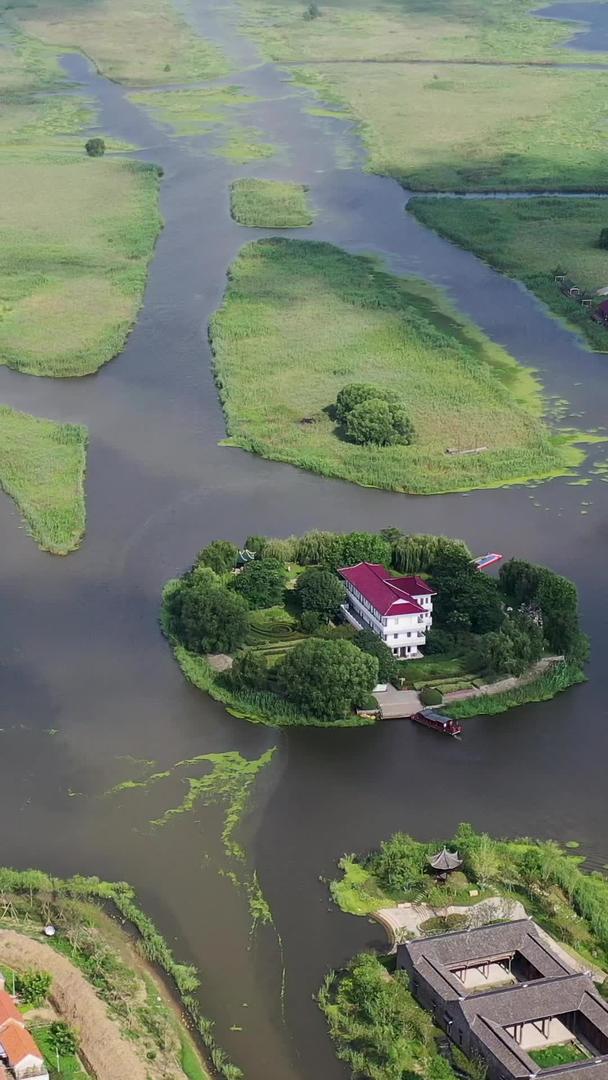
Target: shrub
[603, 989]
[320, 591]
[95, 147]
[261, 583]
[431, 696]
[62, 1038]
[400, 864]
[326, 679]
[603, 239]
[249, 671]
[33, 986]
[220, 556]
[312, 11]
[310, 621]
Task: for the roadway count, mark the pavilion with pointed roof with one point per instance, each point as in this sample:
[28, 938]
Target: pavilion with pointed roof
[444, 862]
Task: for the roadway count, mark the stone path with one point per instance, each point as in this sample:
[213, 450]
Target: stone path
[406, 918]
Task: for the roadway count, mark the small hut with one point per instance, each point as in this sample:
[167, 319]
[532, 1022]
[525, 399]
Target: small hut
[444, 863]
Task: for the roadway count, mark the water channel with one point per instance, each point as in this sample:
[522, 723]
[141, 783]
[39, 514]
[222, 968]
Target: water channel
[87, 678]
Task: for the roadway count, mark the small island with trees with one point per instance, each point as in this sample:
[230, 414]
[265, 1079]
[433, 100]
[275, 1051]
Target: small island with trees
[265, 628]
[516, 913]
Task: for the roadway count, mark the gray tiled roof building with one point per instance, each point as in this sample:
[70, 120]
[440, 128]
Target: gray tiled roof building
[501, 993]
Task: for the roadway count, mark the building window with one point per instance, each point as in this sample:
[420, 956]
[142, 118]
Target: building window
[395, 635]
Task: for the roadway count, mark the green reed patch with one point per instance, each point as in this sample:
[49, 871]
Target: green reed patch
[300, 320]
[530, 239]
[270, 204]
[192, 112]
[42, 467]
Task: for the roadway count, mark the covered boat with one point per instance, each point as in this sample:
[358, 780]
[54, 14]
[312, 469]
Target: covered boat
[444, 724]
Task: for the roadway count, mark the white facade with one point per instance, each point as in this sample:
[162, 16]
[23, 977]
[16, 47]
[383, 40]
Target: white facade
[404, 634]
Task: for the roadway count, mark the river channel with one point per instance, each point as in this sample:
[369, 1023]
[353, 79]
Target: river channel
[88, 680]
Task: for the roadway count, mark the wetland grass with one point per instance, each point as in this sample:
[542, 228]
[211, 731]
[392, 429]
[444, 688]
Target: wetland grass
[42, 467]
[301, 319]
[270, 204]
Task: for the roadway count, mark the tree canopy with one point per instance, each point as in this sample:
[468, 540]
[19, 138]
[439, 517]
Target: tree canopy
[370, 643]
[544, 593]
[327, 679]
[320, 591]
[261, 583]
[219, 555]
[205, 616]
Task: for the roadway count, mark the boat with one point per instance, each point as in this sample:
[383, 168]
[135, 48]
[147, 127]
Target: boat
[482, 561]
[437, 722]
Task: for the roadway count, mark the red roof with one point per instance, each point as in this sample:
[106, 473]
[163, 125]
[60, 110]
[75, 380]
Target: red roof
[18, 1044]
[386, 594]
[8, 1009]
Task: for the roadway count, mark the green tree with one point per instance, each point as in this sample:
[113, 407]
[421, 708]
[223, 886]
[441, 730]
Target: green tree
[354, 394]
[261, 583]
[378, 423]
[204, 616]
[250, 671]
[603, 239]
[312, 11]
[62, 1038]
[326, 679]
[95, 147]
[558, 601]
[219, 555]
[373, 645]
[33, 986]
[519, 580]
[320, 591]
[513, 649]
[256, 544]
[365, 547]
[400, 864]
[466, 598]
[319, 547]
[426, 554]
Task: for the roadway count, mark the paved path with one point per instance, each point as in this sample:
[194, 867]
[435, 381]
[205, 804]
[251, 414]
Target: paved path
[406, 918]
[505, 684]
[397, 703]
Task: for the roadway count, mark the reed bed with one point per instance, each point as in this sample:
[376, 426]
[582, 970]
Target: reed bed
[42, 467]
[270, 204]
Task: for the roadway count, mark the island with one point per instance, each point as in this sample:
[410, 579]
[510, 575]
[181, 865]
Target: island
[90, 989]
[346, 628]
[446, 409]
[270, 204]
[498, 962]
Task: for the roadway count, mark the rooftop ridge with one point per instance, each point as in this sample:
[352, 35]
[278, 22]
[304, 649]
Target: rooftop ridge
[544, 981]
[472, 930]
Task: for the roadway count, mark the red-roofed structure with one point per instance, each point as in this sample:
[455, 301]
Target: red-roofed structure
[20, 1058]
[398, 610]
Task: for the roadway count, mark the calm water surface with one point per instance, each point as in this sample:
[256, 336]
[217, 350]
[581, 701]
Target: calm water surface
[87, 678]
[593, 35]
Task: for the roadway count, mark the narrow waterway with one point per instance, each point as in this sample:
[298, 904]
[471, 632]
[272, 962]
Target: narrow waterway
[87, 678]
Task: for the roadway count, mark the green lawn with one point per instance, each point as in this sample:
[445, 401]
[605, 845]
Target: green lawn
[70, 1067]
[42, 466]
[552, 1056]
[270, 204]
[300, 320]
[528, 239]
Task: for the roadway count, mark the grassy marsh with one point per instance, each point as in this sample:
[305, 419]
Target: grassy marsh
[42, 467]
[300, 320]
[437, 29]
[144, 43]
[191, 112]
[270, 204]
[528, 239]
[474, 128]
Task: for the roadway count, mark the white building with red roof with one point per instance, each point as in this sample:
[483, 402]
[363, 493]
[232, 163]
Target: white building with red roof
[398, 609]
[20, 1058]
